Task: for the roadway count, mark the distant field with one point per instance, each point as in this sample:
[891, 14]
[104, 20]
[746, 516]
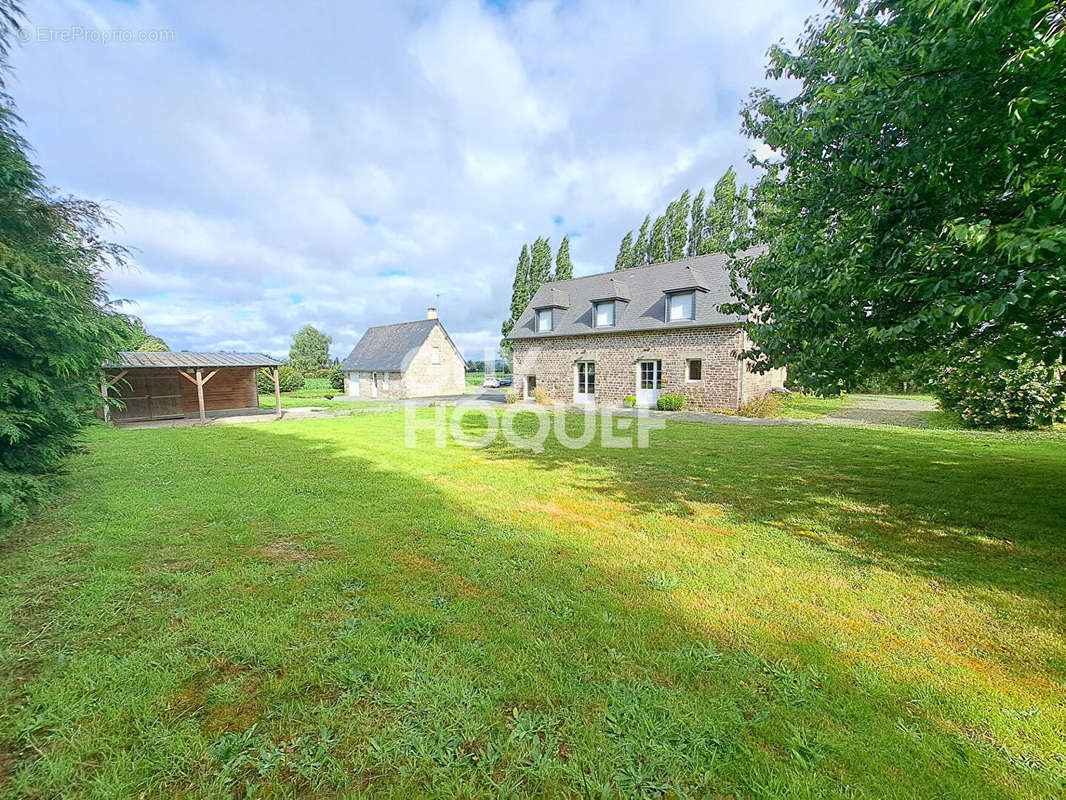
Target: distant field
[474, 379]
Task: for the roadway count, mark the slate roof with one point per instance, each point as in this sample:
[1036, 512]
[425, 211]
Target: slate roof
[185, 359]
[646, 287]
[390, 348]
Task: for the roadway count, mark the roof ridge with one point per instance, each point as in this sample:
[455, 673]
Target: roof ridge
[656, 264]
[395, 324]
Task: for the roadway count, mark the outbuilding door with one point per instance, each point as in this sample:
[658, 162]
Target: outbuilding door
[649, 383]
[148, 397]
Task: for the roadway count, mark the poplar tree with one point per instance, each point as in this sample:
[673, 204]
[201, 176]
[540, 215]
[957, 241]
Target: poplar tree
[677, 234]
[625, 252]
[540, 271]
[640, 249]
[564, 268]
[721, 214]
[657, 242]
[695, 228]
[520, 294]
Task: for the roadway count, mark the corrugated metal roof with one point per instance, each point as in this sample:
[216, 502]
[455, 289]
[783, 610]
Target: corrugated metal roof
[134, 360]
[645, 310]
[390, 348]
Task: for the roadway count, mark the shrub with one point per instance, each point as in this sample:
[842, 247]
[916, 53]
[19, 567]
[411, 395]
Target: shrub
[763, 406]
[288, 379]
[325, 372]
[542, 397]
[1025, 396]
[512, 397]
[336, 378]
[629, 401]
[671, 402]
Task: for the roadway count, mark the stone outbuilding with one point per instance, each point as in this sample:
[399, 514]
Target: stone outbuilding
[639, 333]
[406, 359]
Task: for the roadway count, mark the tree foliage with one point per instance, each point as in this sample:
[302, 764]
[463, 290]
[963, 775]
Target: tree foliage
[918, 196]
[564, 268]
[55, 327]
[137, 338]
[624, 259]
[309, 350]
[540, 269]
[695, 226]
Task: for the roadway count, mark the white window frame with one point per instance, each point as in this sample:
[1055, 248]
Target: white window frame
[385, 382]
[434, 355]
[688, 370]
[670, 306]
[596, 314]
[544, 314]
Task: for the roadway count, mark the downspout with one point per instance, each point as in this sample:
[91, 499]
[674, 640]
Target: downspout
[740, 373]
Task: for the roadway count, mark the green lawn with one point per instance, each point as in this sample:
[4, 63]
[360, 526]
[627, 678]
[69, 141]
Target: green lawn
[314, 393]
[310, 609]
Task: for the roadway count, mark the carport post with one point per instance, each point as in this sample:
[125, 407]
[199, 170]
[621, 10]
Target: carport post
[107, 408]
[200, 395]
[277, 394]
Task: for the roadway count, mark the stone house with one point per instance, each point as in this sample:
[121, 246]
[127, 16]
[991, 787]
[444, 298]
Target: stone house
[406, 359]
[639, 332]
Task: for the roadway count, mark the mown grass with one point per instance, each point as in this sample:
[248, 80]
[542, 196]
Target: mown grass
[308, 608]
[317, 392]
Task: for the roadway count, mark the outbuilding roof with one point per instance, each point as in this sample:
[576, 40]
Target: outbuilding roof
[185, 359]
[390, 348]
[642, 292]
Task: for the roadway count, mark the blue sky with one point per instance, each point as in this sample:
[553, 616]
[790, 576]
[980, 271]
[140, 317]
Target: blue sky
[342, 164]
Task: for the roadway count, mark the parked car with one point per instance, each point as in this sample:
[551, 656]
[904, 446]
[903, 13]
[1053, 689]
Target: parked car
[506, 382]
[490, 383]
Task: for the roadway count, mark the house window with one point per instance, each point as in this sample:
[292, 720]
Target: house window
[695, 369]
[435, 355]
[544, 320]
[681, 306]
[385, 383]
[605, 314]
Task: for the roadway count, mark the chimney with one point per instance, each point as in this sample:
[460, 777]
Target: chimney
[431, 313]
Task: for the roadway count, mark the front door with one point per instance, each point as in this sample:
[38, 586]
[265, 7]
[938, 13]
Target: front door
[649, 383]
[353, 384]
[585, 382]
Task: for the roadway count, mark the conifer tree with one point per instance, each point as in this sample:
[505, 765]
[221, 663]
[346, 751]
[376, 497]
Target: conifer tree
[625, 252]
[564, 268]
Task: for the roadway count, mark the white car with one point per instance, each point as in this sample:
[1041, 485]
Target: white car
[490, 383]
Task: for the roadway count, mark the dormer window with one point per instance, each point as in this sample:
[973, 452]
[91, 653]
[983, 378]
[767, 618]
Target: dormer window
[680, 306]
[544, 320]
[604, 314]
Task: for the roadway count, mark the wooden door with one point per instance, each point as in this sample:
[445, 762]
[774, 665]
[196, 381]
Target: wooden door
[164, 396]
[148, 397]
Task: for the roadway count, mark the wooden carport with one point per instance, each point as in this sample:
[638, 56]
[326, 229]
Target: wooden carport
[173, 385]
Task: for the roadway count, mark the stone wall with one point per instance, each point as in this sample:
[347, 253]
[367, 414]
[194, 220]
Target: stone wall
[423, 378]
[618, 355]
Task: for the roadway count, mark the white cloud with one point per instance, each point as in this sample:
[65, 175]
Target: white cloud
[341, 166]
